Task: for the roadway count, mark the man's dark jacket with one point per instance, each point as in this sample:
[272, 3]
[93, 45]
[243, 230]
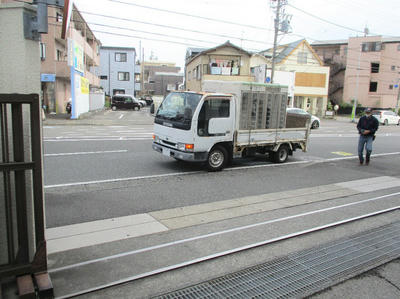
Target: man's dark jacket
[368, 123]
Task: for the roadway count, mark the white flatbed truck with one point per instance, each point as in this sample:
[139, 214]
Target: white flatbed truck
[215, 127]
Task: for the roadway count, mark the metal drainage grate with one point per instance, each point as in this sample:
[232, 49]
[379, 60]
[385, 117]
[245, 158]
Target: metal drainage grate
[304, 272]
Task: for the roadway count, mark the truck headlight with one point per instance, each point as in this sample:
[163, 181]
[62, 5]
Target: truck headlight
[180, 146]
[156, 138]
[185, 147]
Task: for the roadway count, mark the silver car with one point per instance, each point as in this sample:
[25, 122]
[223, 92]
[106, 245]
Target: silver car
[315, 121]
[386, 117]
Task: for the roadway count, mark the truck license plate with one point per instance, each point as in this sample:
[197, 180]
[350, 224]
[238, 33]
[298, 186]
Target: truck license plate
[166, 151]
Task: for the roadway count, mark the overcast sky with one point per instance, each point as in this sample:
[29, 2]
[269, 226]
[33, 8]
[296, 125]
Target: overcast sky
[248, 24]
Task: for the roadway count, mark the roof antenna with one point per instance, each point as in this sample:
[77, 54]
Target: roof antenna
[366, 31]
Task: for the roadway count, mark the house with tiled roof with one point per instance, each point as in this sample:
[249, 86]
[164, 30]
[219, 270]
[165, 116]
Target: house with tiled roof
[226, 62]
[311, 75]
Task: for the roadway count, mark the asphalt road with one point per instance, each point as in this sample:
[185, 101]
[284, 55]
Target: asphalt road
[104, 168]
[98, 172]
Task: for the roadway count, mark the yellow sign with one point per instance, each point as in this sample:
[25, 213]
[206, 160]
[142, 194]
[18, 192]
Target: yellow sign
[342, 153]
[84, 85]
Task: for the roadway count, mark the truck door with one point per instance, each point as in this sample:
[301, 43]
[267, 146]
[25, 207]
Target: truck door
[215, 122]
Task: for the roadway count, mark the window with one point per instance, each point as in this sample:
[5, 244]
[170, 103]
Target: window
[371, 47]
[373, 86]
[59, 17]
[42, 51]
[59, 55]
[393, 67]
[120, 57]
[374, 67]
[103, 77]
[198, 73]
[123, 76]
[118, 91]
[391, 86]
[212, 108]
[302, 58]
[189, 75]
[398, 47]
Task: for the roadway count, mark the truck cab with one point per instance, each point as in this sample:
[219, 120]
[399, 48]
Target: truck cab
[188, 125]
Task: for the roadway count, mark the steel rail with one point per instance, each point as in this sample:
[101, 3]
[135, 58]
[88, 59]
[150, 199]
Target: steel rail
[223, 253]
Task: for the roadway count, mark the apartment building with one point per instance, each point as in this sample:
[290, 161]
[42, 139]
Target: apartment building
[55, 69]
[334, 54]
[117, 70]
[160, 77]
[372, 69]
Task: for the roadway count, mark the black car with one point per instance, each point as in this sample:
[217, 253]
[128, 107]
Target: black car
[148, 99]
[124, 101]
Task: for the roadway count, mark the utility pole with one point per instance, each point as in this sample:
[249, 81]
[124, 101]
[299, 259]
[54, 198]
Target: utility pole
[354, 111]
[277, 13]
[281, 23]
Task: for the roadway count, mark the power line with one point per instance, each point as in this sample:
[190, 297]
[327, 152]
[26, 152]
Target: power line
[151, 39]
[172, 27]
[191, 15]
[326, 21]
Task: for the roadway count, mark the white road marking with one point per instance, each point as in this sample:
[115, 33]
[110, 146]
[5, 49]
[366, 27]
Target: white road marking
[84, 153]
[121, 116]
[99, 139]
[201, 171]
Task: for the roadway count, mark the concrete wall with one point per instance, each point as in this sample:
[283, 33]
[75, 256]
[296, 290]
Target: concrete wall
[19, 73]
[19, 59]
[96, 101]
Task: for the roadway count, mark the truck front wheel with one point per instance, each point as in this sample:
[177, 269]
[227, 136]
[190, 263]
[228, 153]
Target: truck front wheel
[282, 154]
[217, 158]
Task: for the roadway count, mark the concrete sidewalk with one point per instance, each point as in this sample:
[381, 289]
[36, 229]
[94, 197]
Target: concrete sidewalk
[98, 118]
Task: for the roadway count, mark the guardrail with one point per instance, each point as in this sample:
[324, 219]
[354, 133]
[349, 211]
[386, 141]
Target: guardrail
[22, 226]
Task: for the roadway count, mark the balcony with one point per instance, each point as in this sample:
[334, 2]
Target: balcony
[229, 78]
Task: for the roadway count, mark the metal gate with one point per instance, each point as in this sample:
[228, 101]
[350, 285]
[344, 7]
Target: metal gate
[22, 238]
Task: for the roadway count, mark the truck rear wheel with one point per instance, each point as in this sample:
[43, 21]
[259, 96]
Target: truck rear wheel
[282, 154]
[217, 158]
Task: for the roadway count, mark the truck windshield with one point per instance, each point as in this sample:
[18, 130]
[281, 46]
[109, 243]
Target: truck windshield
[177, 110]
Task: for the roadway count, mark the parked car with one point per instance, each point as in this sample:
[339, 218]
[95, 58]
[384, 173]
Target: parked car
[386, 117]
[124, 101]
[142, 103]
[315, 121]
[148, 99]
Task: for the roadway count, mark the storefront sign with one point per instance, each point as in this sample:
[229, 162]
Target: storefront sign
[48, 78]
[84, 85]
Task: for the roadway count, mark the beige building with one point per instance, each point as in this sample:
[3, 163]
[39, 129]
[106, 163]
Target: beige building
[55, 72]
[311, 75]
[226, 62]
[369, 69]
[334, 54]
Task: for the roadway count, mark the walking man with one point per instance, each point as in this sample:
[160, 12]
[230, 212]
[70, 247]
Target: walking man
[367, 126]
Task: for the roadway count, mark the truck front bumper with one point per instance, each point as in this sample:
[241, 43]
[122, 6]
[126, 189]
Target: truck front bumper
[185, 156]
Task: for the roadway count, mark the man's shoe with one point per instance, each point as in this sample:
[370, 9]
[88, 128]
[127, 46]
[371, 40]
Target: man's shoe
[361, 162]
[366, 162]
